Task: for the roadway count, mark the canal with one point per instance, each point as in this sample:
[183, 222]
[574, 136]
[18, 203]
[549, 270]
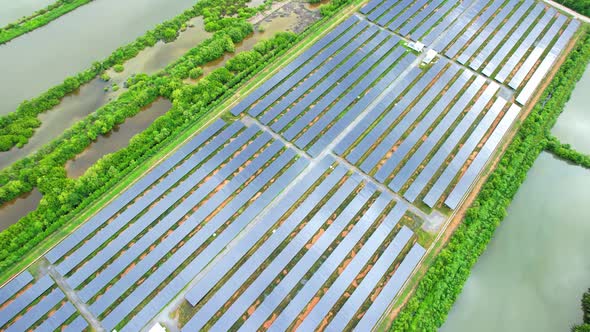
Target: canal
[534, 271]
[11, 10]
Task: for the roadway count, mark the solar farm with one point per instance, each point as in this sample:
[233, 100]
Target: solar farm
[305, 211]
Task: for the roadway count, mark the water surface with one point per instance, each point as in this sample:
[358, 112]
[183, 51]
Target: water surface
[534, 271]
[11, 212]
[12, 10]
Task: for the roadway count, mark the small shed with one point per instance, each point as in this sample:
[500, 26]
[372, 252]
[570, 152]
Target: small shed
[430, 55]
[417, 46]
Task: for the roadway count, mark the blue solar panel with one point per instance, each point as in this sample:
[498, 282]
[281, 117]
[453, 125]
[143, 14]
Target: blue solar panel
[473, 28]
[524, 46]
[222, 268]
[441, 13]
[370, 6]
[385, 6]
[15, 285]
[206, 232]
[499, 36]
[35, 312]
[57, 319]
[482, 158]
[364, 145]
[291, 67]
[25, 299]
[284, 87]
[125, 198]
[418, 132]
[378, 152]
[464, 152]
[403, 18]
[488, 30]
[547, 63]
[171, 219]
[322, 74]
[364, 289]
[418, 18]
[539, 49]
[455, 30]
[513, 40]
[445, 23]
[181, 232]
[332, 95]
[331, 296]
[77, 325]
[272, 300]
[393, 12]
[446, 148]
[262, 253]
[388, 293]
[280, 261]
[145, 220]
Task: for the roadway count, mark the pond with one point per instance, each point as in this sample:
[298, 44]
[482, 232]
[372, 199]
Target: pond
[11, 10]
[11, 212]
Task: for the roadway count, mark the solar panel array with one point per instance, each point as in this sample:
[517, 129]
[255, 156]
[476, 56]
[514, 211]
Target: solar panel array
[250, 232]
[503, 39]
[309, 238]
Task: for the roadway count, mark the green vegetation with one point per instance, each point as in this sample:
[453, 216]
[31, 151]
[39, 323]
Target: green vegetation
[17, 127]
[566, 152]
[437, 290]
[118, 68]
[38, 19]
[581, 6]
[585, 327]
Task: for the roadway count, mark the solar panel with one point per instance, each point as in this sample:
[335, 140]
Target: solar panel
[388, 293]
[57, 319]
[25, 299]
[524, 46]
[499, 36]
[402, 19]
[280, 261]
[370, 6]
[448, 145]
[222, 240]
[262, 253]
[535, 55]
[378, 152]
[482, 158]
[165, 224]
[473, 28]
[358, 151]
[36, 311]
[547, 63]
[393, 12]
[464, 152]
[272, 300]
[180, 233]
[330, 97]
[487, 31]
[146, 219]
[77, 325]
[353, 95]
[445, 23]
[418, 132]
[441, 13]
[463, 21]
[327, 268]
[513, 40]
[364, 289]
[295, 64]
[418, 18]
[331, 296]
[126, 197]
[303, 71]
[385, 6]
[316, 77]
[15, 285]
[237, 251]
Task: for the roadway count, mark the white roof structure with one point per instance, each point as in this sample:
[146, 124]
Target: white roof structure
[430, 55]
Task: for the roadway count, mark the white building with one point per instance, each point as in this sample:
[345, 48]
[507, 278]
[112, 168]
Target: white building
[430, 55]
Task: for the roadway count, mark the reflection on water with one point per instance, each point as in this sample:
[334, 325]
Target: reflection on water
[11, 212]
[533, 273]
[117, 139]
[573, 126]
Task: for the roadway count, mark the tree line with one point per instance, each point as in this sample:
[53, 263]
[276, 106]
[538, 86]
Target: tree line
[436, 292]
[585, 326]
[581, 6]
[64, 198]
[567, 152]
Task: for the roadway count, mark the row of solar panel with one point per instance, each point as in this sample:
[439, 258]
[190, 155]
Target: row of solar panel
[173, 274]
[36, 299]
[282, 221]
